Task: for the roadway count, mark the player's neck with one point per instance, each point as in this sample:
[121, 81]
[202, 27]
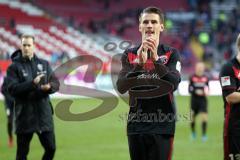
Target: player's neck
[157, 43]
[199, 74]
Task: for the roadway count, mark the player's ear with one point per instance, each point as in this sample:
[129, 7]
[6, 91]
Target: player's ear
[139, 26]
[161, 27]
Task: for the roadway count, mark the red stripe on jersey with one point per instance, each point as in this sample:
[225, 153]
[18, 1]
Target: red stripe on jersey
[199, 79]
[225, 134]
[170, 97]
[147, 66]
[132, 57]
[171, 149]
[236, 72]
[226, 121]
[168, 54]
[226, 146]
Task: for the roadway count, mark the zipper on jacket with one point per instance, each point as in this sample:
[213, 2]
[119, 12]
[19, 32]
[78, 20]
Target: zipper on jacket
[34, 74]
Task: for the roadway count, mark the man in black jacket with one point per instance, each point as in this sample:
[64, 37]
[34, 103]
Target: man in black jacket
[150, 74]
[31, 80]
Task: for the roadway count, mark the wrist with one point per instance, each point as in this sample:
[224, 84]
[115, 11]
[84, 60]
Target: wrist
[155, 58]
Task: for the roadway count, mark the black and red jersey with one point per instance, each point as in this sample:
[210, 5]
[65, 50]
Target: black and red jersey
[230, 82]
[154, 115]
[198, 86]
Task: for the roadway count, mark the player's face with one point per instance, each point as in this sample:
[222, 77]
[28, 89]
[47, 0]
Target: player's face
[150, 25]
[200, 67]
[27, 47]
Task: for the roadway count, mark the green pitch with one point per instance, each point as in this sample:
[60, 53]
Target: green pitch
[104, 138]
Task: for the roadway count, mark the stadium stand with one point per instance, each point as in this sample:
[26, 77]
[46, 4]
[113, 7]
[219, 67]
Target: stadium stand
[51, 36]
[201, 30]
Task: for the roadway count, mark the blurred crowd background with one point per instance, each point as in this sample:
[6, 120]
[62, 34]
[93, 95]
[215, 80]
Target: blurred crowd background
[202, 30]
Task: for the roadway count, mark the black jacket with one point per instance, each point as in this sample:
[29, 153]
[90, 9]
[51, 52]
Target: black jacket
[142, 110]
[33, 109]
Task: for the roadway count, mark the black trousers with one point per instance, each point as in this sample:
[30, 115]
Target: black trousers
[47, 140]
[150, 146]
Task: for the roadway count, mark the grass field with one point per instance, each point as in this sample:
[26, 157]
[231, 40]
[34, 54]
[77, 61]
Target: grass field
[104, 138]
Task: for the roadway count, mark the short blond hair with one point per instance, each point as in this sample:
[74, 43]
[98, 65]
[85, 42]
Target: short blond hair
[238, 42]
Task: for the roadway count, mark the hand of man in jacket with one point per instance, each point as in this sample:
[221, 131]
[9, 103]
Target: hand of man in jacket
[38, 79]
[46, 87]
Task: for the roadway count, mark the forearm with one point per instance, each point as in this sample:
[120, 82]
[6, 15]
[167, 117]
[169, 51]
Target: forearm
[233, 98]
[18, 89]
[166, 74]
[123, 78]
[174, 78]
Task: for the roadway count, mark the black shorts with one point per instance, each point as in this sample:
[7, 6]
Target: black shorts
[199, 105]
[150, 146]
[231, 147]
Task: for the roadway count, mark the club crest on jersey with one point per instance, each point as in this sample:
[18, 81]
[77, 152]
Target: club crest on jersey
[25, 74]
[225, 81]
[164, 58]
[40, 67]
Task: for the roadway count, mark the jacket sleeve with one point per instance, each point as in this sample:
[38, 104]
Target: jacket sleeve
[53, 80]
[172, 69]
[15, 86]
[124, 72]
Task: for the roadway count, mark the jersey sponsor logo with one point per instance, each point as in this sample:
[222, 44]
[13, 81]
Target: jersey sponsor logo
[236, 72]
[225, 81]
